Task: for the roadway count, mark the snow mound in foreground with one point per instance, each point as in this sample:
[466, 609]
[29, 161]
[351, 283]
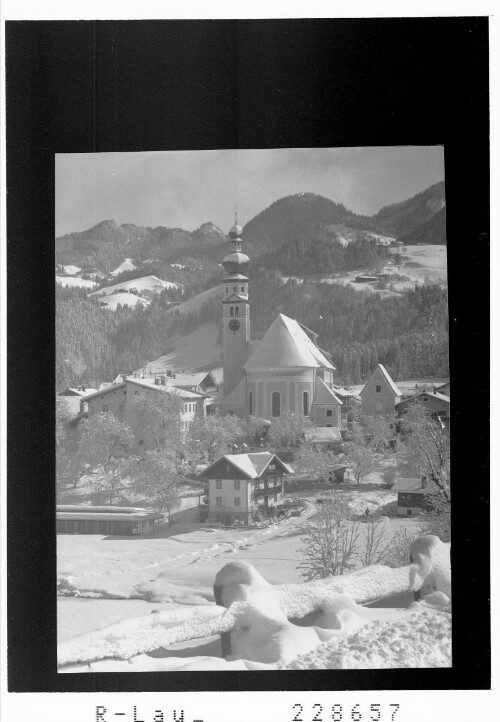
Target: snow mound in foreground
[254, 621]
[419, 639]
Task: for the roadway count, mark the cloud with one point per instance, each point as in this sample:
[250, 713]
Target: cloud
[187, 188]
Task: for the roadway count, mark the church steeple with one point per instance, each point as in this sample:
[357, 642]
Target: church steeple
[236, 310]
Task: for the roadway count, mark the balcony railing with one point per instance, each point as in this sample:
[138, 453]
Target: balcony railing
[269, 490]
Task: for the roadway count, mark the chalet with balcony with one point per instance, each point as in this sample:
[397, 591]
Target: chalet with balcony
[242, 487]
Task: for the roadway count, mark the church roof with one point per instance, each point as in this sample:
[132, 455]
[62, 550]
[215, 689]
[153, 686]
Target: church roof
[323, 395]
[286, 346]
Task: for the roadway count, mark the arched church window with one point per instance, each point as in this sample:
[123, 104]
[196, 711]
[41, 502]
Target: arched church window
[305, 403]
[231, 311]
[276, 403]
[237, 311]
[250, 403]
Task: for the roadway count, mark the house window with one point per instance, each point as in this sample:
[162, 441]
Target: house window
[305, 403]
[105, 407]
[218, 501]
[231, 311]
[242, 289]
[329, 413]
[236, 485]
[136, 393]
[276, 403]
[218, 484]
[425, 398]
[227, 289]
[237, 501]
[237, 311]
[250, 403]
[235, 289]
[125, 393]
[141, 442]
[378, 389]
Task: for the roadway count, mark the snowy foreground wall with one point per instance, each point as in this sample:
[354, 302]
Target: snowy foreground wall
[316, 625]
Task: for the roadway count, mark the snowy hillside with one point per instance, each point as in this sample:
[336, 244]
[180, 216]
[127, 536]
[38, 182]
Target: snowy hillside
[197, 351]
[146, 283]
[127, 265]
[75, 282]
[112, 302]
[194, 304]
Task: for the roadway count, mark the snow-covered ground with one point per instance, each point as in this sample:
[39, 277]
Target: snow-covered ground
[126, 265]
[194, 304]
[145, 283]
[71, 270]
[196, 351]
[317, 624]
[75, 281]
[172, 574]
[111, 303]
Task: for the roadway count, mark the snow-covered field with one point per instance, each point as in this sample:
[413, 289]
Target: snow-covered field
[111, 303]
[196, 351]
[75, 281]
[126, 265]
[172, 574]
[146, 283]
[423, 263]
[194, 304]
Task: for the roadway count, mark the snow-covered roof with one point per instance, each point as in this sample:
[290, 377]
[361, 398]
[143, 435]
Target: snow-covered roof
[147, 384]
[194, 379]
[323, 435]
[103, 391]
[413, 486]
[80, 391]
[324, 396]
[252, 464]
[286, 345]
[385, 374]
[346, 393]
[433, 394]
[150, 384]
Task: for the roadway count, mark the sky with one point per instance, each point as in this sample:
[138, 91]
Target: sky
[183, 189]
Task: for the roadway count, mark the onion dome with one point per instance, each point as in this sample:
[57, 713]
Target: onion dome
[236, 262]
[236, 231]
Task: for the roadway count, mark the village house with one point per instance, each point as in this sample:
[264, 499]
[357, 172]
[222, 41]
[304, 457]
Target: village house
[380, 394]
[436, 403]
[413, 495]
[119, 398]
[73, 396]
[243, 486]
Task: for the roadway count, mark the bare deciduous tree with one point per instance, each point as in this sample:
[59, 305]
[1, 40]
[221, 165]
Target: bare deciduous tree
[330, 543]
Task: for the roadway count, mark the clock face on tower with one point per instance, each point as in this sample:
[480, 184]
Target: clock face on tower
[234, 324]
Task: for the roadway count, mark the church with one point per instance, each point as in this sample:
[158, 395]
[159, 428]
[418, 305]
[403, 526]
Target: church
[284, 371]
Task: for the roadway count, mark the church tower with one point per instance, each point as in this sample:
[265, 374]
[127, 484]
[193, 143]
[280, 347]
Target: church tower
[236, 311]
